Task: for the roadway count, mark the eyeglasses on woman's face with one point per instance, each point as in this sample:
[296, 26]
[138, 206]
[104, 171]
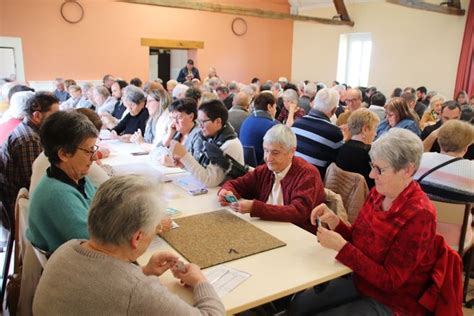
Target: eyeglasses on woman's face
[377, 169]
[91, 152]
[203, 122]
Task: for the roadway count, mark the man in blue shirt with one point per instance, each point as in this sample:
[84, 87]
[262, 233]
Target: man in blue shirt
[258, 123]
[60, 92]
[318, 140]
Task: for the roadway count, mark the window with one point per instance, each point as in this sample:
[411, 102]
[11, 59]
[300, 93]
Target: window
[354, 59]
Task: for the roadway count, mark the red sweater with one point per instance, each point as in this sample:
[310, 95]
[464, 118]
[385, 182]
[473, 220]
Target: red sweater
[391, 252]
[302, 190]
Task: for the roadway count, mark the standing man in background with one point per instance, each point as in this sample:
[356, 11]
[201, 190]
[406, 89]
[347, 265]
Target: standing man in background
[188, 72]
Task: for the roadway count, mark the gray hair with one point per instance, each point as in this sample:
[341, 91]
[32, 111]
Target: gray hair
[290, 95]
[86, 86]
[434, 99]
[276, 86]
[102, 91]
[399, 147]
[179, 91]
[311, 89]
[280, 134]
[122, 206]
[233, 85]
[133, 94]
[339, 88]
[6, 87]
[19, 104]
[326, 100]
[214, 82]
[247, 89]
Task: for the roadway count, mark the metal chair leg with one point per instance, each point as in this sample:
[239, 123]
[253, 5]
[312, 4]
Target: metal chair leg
[8, 254]
[6, 265]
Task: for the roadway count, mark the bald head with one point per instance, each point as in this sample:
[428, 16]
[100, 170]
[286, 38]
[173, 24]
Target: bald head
[353, 99]
[242, 99]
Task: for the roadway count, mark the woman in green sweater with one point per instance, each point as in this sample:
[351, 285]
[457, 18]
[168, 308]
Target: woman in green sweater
[59, 204]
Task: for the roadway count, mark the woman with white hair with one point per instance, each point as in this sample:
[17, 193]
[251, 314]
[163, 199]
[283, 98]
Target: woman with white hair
[122, 223]
[433, 112]
[15, 113]
[103, 101]
[391, 245]
[179, 91]
[134, 100]
[290, 110]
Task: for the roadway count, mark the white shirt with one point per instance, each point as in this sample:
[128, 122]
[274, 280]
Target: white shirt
[276, 195]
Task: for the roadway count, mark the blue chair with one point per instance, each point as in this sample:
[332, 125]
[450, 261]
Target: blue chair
[249, 156]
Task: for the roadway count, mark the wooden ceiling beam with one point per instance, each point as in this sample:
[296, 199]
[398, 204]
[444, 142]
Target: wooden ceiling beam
[341, 10]
[227, 9]
[451, 7]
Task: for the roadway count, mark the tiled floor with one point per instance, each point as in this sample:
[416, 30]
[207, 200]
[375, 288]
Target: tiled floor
[470, 295]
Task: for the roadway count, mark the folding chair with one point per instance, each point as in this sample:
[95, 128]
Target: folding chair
[249, 156]
[454, 225]
[350, 186]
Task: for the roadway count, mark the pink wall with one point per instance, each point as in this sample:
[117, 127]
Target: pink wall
[107, 40]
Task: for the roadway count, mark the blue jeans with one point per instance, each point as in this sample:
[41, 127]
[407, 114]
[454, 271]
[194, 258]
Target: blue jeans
[337, 297]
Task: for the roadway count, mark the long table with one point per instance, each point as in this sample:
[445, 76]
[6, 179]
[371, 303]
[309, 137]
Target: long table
[301, 264]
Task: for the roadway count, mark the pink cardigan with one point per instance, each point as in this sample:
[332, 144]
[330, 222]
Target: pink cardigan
[8, 127]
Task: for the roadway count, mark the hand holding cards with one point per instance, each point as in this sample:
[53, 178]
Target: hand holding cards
[230, 198]
[189, 274]
[180, 266]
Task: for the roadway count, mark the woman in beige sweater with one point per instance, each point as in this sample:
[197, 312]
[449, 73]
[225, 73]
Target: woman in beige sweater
[101, 275]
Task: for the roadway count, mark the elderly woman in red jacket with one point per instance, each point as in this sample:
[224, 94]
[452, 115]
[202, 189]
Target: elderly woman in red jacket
[390, 247]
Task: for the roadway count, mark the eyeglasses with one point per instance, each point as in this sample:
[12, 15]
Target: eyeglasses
[377, 169]
[201, 123]
[91, 152]
[352, 100]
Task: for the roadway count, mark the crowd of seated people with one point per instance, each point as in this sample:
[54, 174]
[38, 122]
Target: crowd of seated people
[296, 131]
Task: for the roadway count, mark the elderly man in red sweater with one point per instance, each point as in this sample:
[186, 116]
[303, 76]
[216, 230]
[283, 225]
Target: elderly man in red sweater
[285, 188]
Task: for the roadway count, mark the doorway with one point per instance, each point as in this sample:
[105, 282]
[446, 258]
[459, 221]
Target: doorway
[11, 59]
[168, 56]
[166, 63]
